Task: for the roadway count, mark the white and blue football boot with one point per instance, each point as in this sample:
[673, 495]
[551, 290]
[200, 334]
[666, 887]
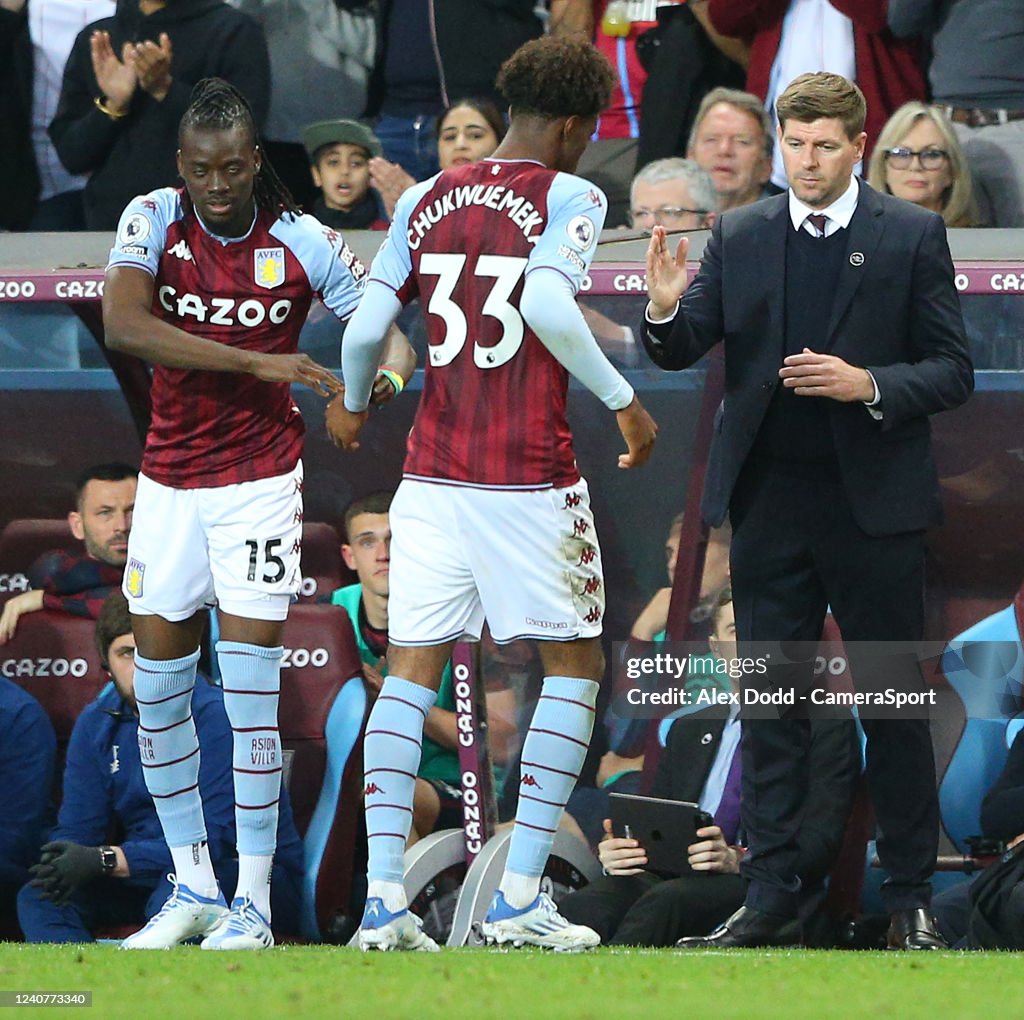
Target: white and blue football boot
[185, 915]
[539, 924]
[381, 929]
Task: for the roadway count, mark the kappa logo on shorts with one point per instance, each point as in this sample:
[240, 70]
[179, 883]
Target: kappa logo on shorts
[269, 267]
[133, 575]
[593, 616]
[588, 555]
[593, 583]
[579, 528]
[572, 499]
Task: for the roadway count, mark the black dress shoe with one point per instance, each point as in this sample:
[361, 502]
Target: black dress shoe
[747, 928]
[914, 929]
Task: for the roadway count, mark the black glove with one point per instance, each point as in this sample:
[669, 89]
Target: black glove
[64, 868]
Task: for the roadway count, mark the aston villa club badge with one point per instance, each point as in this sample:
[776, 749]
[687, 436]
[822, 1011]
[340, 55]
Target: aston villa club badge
[269, 267]
[133, 575]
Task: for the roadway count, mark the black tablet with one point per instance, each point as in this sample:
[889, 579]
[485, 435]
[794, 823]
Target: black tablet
[664, 828]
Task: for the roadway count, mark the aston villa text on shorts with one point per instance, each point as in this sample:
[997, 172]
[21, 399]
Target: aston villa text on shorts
[519, 210]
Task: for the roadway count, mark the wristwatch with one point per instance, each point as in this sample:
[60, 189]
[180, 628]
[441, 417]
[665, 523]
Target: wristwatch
[108, 859]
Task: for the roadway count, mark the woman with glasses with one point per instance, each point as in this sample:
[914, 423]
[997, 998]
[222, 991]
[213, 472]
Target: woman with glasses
[918, 158]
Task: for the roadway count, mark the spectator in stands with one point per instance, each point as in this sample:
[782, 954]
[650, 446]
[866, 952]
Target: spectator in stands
[438, 796]
[82, 884]
[674, 193]
[19, 180]
[701, 763]
[429, 51]
[339, 156]
[732, 139]
[127, 83]
[674, 42]
[467, 131]
[847, 37]
[977, 81]
[27, 751]
[321, 53]
[918, 158]
[76, 583]
[53, 25]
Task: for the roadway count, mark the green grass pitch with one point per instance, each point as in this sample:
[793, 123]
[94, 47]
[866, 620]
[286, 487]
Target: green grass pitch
[310, 982]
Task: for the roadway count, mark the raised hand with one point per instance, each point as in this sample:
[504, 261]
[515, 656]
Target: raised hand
[295, 368]
[666, 274]
[639, 430]
[390, 180]
[115, 76]
[152, 63]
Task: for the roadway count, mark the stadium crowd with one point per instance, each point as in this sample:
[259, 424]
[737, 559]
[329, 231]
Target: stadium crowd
[361, 103]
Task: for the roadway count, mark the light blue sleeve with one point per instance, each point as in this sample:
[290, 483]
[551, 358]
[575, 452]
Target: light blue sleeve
[142, 231]
[392, 265]
[576, 211]
[333, 269]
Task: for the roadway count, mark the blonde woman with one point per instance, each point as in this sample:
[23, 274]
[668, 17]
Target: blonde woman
[918, 158]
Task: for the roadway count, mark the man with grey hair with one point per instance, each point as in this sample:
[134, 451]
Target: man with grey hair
[732, 139]
[674, 193]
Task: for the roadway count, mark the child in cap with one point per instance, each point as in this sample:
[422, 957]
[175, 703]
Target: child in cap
[339, 155]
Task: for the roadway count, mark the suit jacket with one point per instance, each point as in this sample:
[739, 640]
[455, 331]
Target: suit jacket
[895, 312]
[834, 768]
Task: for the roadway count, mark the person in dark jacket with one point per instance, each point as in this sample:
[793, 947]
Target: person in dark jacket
[127, 83]
[1002, 819]
[27, 751]
[81, 882]
[632, 905]
[19, 177]
[430, 53]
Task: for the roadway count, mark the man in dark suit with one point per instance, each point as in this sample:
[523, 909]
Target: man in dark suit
[847, 297]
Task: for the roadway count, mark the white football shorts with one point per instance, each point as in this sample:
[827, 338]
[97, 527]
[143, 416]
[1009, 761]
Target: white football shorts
[527, 562]
[235, 545]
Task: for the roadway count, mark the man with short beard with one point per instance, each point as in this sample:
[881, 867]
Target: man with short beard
[75, 583]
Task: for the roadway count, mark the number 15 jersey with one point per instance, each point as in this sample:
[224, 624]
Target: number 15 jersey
[492, 412]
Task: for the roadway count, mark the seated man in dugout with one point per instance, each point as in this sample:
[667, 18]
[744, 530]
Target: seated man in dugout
[633, 905]
[107, 863]
[73, 582]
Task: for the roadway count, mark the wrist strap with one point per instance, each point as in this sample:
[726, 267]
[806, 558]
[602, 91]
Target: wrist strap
[394, 378]
[100, 105]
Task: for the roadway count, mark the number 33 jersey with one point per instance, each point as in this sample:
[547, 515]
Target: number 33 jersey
[493, 407]
[211, 429]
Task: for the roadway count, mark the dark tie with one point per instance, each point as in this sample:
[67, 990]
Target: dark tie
[727, 817]
[818, 220]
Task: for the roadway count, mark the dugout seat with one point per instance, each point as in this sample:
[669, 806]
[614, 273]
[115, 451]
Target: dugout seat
[22, 541]
[53, 656]
[323, 569]
[984, 666]
[978, 682]
[323, 713]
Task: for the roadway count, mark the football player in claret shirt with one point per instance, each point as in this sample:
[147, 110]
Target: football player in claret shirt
[492, 517]
[212, 285]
